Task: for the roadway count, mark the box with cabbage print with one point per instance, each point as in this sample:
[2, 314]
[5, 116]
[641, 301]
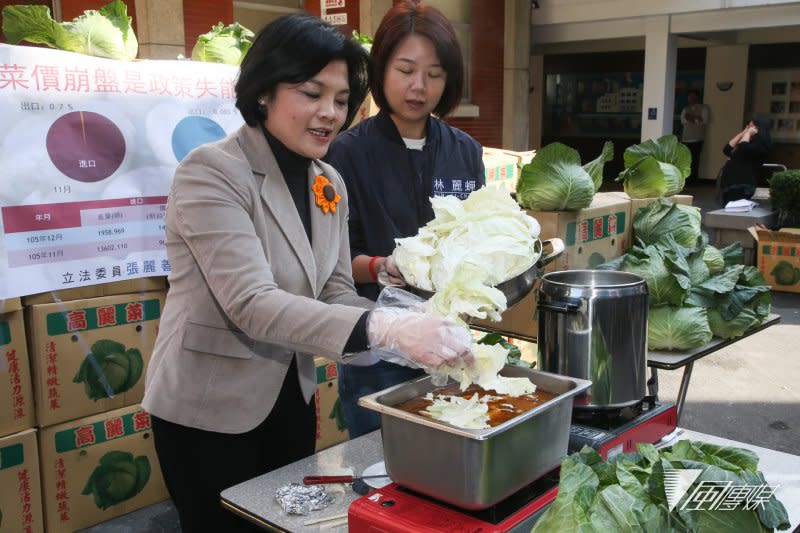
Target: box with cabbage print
[779, 258]
[98, 467]
[21, 495]
[89, 356]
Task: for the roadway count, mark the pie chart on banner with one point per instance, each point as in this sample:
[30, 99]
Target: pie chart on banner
[85, 146]
[193, 131]
[173, 131]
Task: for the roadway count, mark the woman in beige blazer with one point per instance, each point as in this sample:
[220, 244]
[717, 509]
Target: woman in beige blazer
[256, 236]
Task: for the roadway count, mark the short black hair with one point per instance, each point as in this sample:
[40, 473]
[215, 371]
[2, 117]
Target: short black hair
[292, 49]
[412, 18]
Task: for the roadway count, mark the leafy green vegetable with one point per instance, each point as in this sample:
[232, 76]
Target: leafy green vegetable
[106, 32]
[713, 259]
[554, 180]
[627, 492]
[117, 478]
[677, 328]
[109, 369]
[662, 217]
[655, 168]
[223, 44]
[595, 167]
[667, 277]
[364, 39]
[785, 274]
[514, 355]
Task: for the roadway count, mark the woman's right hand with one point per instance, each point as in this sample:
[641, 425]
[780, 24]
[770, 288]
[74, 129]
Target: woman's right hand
[427, 340]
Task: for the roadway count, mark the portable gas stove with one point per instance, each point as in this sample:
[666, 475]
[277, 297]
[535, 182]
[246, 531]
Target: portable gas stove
[396, 509]
[618, 431]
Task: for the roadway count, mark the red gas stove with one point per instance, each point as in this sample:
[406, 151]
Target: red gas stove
[396, 509]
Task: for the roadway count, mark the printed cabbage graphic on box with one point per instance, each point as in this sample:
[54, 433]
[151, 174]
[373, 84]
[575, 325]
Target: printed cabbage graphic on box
[109, 369]
[117, 478]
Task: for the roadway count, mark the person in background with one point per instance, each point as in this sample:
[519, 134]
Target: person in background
[694, 118]
[394, 162]
[747, 151]
[256, 236]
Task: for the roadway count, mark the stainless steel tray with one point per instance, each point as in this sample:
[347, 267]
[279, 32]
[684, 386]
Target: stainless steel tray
[474, 468]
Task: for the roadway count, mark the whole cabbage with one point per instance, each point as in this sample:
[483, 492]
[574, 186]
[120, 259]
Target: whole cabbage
[662, 217]
[223, 44]
[677, 328]
[554, 180]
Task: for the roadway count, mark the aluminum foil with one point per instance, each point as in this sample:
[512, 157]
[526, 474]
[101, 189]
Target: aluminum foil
[301, 499]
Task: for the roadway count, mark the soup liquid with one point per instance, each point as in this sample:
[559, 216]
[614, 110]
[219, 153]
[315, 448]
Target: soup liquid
[502, 407]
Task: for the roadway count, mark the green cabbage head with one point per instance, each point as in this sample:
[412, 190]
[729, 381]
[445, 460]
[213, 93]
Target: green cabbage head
[106, 32]
[662, 217]
[223, 44]
[656, 168]
[677, 328]
[554, 180]
[713, 259]
[109, 369]
[117, 478]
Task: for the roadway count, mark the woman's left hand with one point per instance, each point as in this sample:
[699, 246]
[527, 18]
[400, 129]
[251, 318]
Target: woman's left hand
[391, 274]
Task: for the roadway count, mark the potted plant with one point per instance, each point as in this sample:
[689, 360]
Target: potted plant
[784, 194]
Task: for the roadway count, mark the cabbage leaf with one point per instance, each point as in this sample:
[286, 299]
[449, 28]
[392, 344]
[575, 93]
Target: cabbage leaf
[106, 32]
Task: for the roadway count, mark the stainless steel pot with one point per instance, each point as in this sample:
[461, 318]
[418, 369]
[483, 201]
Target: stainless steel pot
[593, 325]
[516, 288]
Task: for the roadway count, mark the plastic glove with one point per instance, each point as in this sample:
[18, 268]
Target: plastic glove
[389, 274]
[426, 340]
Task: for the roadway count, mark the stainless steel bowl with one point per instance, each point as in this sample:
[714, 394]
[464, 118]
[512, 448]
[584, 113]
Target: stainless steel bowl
[516, 288]
[474, 468]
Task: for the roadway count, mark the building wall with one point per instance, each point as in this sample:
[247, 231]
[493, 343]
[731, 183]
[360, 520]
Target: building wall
[488, 19]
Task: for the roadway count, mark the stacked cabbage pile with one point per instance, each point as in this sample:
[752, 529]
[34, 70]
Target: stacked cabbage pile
[696, 291]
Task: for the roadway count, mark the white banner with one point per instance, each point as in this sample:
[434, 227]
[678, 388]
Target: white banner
[88, 148]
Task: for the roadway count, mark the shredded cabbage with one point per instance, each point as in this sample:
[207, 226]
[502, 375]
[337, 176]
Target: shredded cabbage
[472, 413]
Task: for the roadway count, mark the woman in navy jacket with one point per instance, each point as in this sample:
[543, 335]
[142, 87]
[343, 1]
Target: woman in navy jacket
[394, 162]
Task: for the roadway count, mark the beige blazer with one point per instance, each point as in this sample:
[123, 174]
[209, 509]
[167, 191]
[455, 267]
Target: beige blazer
[247, 291]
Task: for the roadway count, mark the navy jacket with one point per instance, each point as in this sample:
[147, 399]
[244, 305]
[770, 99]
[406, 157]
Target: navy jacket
[388, 197]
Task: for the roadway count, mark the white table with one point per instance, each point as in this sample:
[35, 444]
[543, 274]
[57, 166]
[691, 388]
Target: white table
[255, 499]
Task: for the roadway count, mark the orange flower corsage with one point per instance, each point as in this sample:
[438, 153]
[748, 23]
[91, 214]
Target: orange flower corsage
[325, 194]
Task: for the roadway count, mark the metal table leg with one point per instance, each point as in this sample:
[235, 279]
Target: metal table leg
[684, 388]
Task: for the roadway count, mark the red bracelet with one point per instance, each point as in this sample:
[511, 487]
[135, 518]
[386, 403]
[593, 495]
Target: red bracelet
[371, 267]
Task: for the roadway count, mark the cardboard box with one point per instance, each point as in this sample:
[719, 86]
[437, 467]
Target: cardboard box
[331, 427]
[503, 167]
[131, 286]
[21, 494]
[17, 410]
[78, 459]
[779, 257]
[10, 304]
[591, 236]
[368, 109]
[70, 341]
